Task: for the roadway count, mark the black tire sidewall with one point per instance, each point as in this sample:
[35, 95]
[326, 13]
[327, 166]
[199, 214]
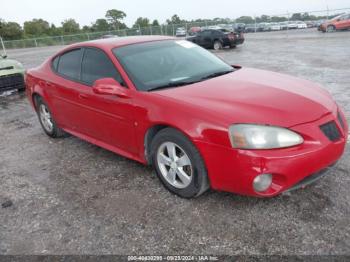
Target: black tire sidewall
[199, 170]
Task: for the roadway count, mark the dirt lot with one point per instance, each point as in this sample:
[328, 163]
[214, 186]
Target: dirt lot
[71, 197]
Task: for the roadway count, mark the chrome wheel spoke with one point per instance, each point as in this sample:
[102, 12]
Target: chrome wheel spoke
[183, 161]
[185, 179]
[172, 175]
[171, 151]
[164, 159]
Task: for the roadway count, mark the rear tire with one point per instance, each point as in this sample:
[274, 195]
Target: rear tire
[46, 120]
[217, 45]
[178, 164]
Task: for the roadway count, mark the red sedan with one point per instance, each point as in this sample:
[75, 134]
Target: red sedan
[199, 121]
[341, 22]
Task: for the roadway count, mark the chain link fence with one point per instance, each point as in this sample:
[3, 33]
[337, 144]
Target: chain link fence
[169, 29]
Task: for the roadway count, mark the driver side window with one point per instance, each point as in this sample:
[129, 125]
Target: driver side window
[97, 65]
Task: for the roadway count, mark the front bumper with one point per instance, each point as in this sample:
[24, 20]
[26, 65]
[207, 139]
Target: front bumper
[12, 82]
[234, 170]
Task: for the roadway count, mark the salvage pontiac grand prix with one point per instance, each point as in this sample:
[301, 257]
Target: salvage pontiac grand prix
[200, 122]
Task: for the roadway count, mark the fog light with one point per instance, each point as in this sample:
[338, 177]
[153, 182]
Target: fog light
[262, 182]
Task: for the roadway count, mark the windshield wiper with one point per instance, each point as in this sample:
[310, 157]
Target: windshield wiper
[216, 74]
[172, 84]
[183, 83]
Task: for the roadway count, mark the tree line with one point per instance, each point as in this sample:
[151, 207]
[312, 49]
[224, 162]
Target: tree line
[113, 20]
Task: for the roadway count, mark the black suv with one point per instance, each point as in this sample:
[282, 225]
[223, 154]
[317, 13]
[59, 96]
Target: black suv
[217, 39]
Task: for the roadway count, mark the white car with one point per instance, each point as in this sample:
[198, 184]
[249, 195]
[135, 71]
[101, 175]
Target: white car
[292, 25]
[214, 27]
[301, 25]
[181, 31]
[275, 27]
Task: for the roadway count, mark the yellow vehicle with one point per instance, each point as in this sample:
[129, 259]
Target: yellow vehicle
[11, 72]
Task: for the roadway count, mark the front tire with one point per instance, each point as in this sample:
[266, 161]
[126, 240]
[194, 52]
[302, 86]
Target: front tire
[46, 120]
[178, 164]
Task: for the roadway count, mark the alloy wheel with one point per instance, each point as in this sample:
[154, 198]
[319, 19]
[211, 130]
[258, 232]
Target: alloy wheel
[45, 118]
[174, 165]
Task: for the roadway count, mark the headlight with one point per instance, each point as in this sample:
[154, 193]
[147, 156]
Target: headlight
[248, 136]
[19, 65]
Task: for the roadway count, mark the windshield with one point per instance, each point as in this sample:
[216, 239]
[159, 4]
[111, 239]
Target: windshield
[166, 64]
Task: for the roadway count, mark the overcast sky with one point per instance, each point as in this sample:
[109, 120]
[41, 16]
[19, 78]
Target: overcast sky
[87, 11]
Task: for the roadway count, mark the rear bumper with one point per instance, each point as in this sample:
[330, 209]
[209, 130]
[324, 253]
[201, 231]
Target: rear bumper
[234, 170]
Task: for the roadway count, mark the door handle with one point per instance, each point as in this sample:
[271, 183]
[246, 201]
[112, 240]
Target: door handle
[83, 96]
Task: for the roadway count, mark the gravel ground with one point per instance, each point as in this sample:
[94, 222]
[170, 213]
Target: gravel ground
[66, 196]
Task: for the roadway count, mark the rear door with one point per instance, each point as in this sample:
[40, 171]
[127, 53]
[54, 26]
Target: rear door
[63, 88]
[107, 119]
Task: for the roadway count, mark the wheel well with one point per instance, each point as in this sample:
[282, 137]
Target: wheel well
[150, 134]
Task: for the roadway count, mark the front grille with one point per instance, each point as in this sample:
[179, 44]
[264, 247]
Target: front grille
[331, 131]
[8, 82]
[341, 121]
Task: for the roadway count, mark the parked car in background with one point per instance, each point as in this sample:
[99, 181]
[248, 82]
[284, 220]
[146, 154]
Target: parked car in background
[341, 22]
[11, 72]
[108, 36]
[262, 27]
[250, 28]
[301, 25]
[213, 27]
[227, 27]
[217, 39]
[274, 27]
[181, 31]
[199, 121]
[284, 25]
[239, 27]
[193, 30]
[292, 25]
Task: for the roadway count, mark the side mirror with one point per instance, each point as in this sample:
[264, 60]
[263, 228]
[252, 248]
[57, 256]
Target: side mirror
[109, 86]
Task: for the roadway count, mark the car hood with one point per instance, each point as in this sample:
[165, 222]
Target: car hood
[257, 96]
[9, 62]
[8, 66]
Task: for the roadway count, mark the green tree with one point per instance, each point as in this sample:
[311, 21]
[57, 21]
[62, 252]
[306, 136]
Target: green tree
[115, 18]
[263, 18]
[10, 30]
[296, 16]
[155, 22]
[175, 19]
[54, 31]
[100, 25]
[245, 19]
[36, 27]
[70, 26]
[278, 19]
[141, 22]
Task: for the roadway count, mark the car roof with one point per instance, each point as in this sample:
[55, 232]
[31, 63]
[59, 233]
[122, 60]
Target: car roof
[110, 43]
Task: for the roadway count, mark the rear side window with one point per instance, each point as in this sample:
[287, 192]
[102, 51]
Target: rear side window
[97, 65]
[55, 63]
[69, 64]
[207, 33]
